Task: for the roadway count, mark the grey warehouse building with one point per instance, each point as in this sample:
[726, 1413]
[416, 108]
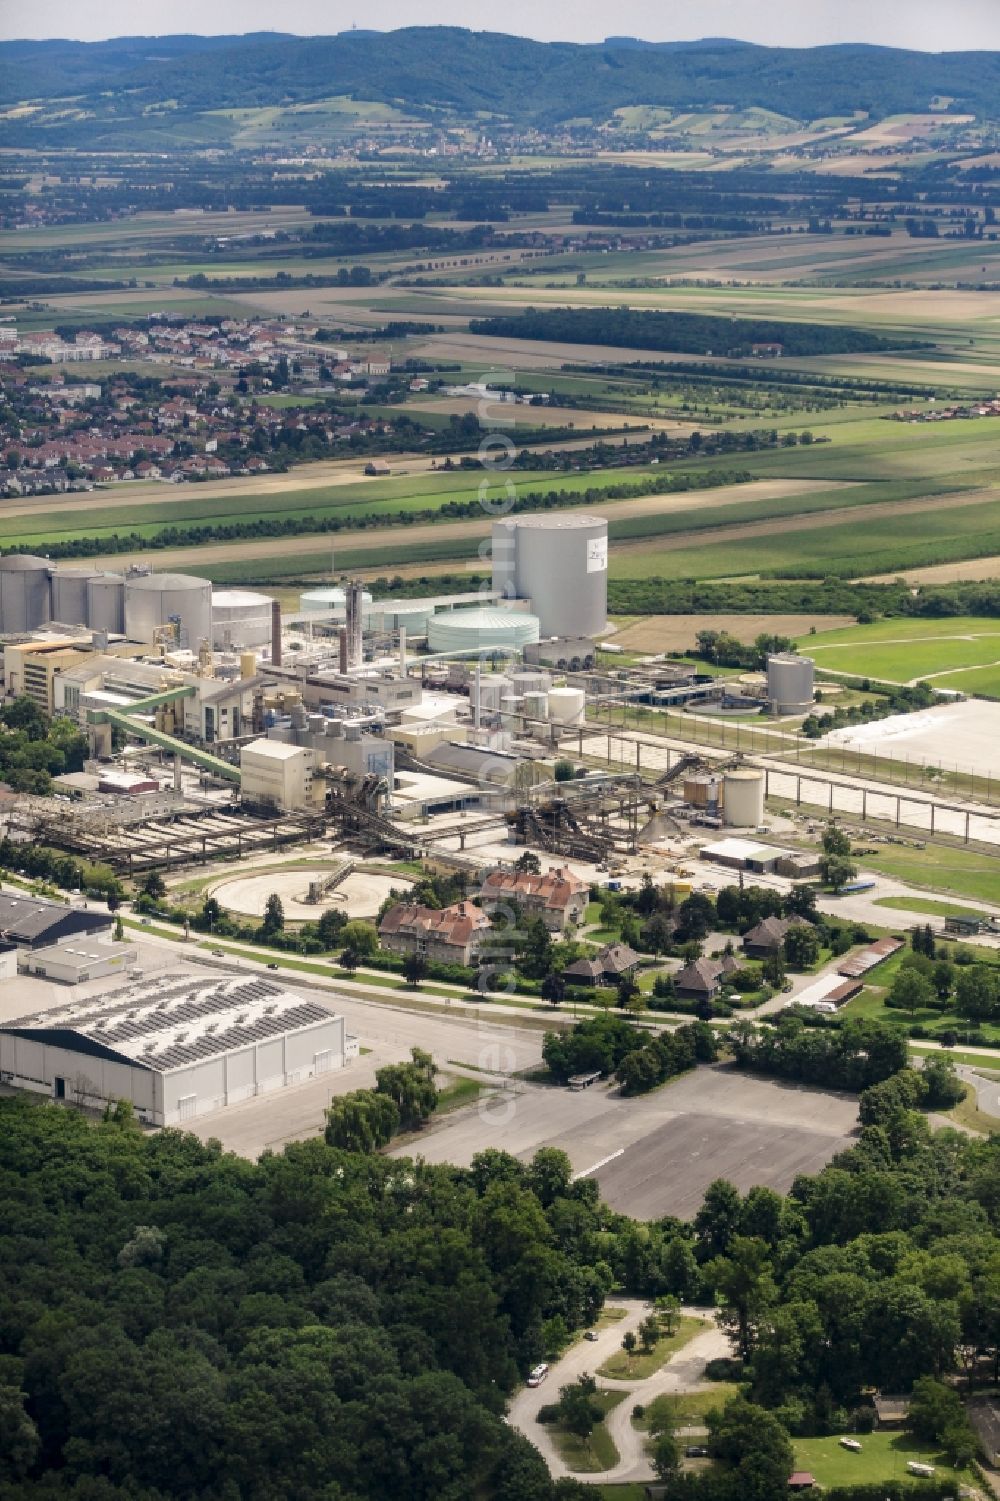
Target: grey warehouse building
[32, 922]
[176, 1050]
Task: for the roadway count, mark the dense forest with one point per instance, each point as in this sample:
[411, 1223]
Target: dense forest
[178, 1323]
[450, 67]
[688, 333]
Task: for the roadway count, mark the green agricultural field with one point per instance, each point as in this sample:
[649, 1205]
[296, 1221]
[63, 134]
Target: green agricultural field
[900, 651]
[883, 1457]
[903, 538]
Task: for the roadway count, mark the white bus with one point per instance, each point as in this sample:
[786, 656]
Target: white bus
[537, 1374]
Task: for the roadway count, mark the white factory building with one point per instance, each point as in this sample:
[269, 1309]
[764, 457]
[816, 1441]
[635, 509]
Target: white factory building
[176, 1050]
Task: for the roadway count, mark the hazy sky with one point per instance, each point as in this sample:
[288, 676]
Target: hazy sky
[927, 24]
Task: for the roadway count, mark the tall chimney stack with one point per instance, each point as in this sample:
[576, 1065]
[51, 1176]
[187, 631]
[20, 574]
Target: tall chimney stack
[275, 633]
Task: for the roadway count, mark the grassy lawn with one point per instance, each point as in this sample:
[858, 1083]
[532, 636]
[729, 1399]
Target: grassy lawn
[589, 1456]
[883, 1456]
[620, 1368]
[987, 1063]
[941, 868]
[456, 1094]
[921, 904]
[632, 1492]
[688, 1409]
[967, 1113]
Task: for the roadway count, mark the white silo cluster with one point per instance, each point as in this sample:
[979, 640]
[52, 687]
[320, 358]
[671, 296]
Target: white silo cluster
[524, 703]
[34, 592]
[559, 562]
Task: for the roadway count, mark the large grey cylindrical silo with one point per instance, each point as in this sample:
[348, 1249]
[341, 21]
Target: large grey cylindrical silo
[106, 603]
[159, 599]
[559, 561]
[69, 595]
[25, 592]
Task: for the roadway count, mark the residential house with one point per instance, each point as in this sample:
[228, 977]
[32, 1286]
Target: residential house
[558, 897]
[605, 968]
[451, 935]
[768, 936]
[702, 979]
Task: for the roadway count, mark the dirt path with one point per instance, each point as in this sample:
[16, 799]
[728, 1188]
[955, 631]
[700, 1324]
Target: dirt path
[444, 531]
[974, 569]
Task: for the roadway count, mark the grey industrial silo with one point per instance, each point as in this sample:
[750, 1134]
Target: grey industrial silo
[25, 592]
[106, 603]
[159, 599]
[558, 560]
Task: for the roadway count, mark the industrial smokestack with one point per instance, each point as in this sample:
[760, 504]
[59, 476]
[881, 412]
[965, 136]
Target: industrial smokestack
[275, 633]
[402, 651]
[343, 648]
[354, 611]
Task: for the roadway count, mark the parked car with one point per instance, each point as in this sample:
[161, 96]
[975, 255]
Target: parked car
[591, 1334]
[272, 964]
[696, 1451]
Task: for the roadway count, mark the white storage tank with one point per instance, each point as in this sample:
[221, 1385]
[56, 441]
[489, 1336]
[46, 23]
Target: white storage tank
[331, 600]
[482, 630]
[567, 705]
[106, 603]
[511, 710]
[558, 560]
[536, 705]
[492, 687]
[69, 596]
[410, 615]
[790, 683]
[530, 680]
[241, 618]
[158, 599]
[25, 592]
[743, 800]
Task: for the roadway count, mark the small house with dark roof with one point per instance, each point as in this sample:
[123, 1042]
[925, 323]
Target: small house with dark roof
[768, 936]
[701, 980]
[604, 968]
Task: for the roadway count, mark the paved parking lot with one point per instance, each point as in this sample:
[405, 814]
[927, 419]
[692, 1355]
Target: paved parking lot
[655, 1155]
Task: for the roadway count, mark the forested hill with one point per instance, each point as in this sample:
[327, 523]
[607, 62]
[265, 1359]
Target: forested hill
[448, 67]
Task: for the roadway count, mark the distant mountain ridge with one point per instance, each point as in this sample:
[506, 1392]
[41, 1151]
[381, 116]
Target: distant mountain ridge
[532, 82]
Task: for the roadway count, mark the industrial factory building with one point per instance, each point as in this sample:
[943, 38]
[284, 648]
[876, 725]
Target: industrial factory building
[558, 561]
[32, 922]
[176, 1050]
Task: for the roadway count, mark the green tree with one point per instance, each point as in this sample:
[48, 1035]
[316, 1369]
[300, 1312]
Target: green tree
[836, 870]
[154, 886]
[411, 1087]
[665, 1456]
[330, 927]
[360, 937]
[554, 989]
[801, 946]
[362, 1121]
[274, 916]
[911, 991]
[414, 969]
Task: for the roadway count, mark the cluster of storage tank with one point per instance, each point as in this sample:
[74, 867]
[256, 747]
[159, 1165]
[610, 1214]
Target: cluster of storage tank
[525, 700]
[34, 592]
[735, 797]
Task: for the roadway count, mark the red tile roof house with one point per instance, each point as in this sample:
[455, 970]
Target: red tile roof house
[559, 897]
[452, 935]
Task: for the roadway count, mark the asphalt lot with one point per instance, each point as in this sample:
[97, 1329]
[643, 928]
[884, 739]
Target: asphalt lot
[655, 1155]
